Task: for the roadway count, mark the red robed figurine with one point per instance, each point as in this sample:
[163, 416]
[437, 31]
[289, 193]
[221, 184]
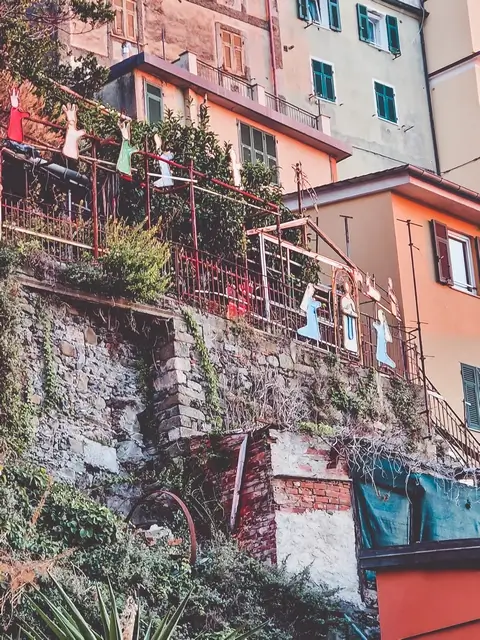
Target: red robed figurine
[15, 124]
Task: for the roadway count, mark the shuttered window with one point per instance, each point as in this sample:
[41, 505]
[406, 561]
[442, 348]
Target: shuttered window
[386, 105]
[232, 51]
[323, 80]
[392, 34]
[154, 103]
[378, 29]
[323, 12]
[441, 252]
[471, 379]
[125, 23]
[258, 146]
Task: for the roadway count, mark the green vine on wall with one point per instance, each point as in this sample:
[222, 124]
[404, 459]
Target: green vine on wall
[16, 428]
[212, 384]
[50, 381]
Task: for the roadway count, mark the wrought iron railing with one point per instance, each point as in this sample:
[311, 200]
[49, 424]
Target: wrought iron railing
[225, 80]
[291, 111]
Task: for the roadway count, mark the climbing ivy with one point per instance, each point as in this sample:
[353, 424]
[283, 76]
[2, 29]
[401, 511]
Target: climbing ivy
[50, 382]
[16, 430]
[212, 384]
[407, 408]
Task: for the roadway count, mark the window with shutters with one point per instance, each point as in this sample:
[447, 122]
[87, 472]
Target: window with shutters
[378, 29]
[385, 102]
[258, 146]
[233, 57]
[153, 103]
[454, 258]
[323, 83]
[325, 13]
[125, 23]
[471, 395]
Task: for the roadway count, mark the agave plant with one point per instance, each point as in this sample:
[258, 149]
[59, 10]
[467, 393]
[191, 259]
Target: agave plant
[67, 623]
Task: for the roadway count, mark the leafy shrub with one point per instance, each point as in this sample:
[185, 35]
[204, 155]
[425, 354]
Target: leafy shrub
[134, 263]
[9, 259]
[86, 275]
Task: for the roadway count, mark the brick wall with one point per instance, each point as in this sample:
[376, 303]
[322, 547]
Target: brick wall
[297, 496]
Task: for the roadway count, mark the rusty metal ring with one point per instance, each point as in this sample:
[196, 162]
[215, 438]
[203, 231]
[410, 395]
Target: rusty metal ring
[186, 513]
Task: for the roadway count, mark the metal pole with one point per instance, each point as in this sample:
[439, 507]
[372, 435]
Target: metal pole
[409, 224]
[193, 218]
[347, 233]
[94, 200]
[147, 188]
[1, 193]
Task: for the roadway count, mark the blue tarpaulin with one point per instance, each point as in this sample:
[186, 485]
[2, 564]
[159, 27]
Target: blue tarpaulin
[398, 508]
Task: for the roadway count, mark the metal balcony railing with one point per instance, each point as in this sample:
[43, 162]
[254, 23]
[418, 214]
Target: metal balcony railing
[225, 80]
[291, 111]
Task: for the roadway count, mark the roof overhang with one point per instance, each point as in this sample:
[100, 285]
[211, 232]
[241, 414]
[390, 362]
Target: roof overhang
[184, 79]
[410, 182]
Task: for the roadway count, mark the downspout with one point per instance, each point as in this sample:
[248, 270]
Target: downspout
[268, 7]
[429, 95]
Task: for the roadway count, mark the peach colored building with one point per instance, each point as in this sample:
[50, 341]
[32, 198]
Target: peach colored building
[445, 231]
[144, 86]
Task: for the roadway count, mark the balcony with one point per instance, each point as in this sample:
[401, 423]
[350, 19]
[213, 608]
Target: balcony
[254, 92]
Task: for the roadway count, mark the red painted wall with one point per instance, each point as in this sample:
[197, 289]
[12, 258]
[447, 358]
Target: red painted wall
[413, 603]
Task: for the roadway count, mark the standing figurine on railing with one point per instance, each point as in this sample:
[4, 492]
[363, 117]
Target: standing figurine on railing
[235, 168]
[383, 338]
[309, 306]
[72, 135]
[164, 167]
[350, 315]
[124, 162]
[15, 122]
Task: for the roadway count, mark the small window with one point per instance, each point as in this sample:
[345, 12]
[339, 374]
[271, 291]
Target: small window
[461, 262]
[325, 13]
[378, 29]
[386, 103]
[154, 103]
[454, 259]
[125, 22]
[471, 395]
[323, 84]
[233, 53]
[258, 146]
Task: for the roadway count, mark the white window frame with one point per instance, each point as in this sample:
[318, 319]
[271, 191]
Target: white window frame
[380, 21]
[471, 289]
[385, 84]
[145, 95]
[322, 8]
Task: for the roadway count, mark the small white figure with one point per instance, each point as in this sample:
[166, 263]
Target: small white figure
[164, 167]
[72, 135]
[350, 315]
[235, 167]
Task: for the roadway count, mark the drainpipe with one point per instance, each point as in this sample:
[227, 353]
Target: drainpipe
[268, 7]
[429, 95]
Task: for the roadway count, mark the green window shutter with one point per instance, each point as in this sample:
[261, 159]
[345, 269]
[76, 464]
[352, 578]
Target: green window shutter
[385, 98]
[362, 16]
[328, 82]
[393, 35]
[381, 103]
[302, 9]
[334, 15]
[390, 104]
[323, 80]
[471, 395]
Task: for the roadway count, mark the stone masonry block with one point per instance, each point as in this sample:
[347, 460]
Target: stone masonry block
[174, 422]
[177, 364]
[100, 456]
[181, 432]
[169, 380]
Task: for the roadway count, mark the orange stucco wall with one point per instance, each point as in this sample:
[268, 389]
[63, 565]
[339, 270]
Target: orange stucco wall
[413, 603]
[450, 317]
[224, 122]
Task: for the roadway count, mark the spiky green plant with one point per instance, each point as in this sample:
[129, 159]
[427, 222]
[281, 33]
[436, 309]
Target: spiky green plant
[65, 621]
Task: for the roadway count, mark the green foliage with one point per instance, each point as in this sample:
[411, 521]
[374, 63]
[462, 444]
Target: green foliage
[9, 260]
[406, 405]
[68, 518]
[31, 49]
[50, 381]
[16, 429]
[357, 398]
[211, 377]
[86, 275]
[135, 262]
[229, 590]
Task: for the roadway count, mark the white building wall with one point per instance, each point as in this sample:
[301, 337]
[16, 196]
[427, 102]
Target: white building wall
[377, 144]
